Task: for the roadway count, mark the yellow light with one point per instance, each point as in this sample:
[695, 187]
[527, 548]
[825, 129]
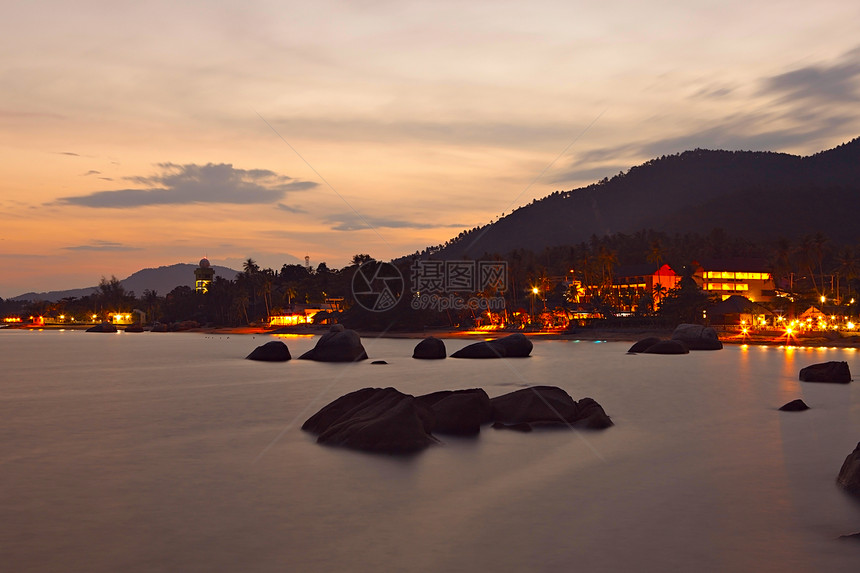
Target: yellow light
[823, 299]
[62, 317]
[850, 325]
[535, 290]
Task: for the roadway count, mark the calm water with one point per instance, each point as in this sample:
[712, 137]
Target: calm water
[169, 452]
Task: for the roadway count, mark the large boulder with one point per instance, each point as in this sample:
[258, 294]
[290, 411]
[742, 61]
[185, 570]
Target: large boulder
[430, 348]
[643, 345]
[512, 346]
[849, 475]
[337, 345]
[697, 337]
[667, 347]
[380, 420]
[103, 327]
[274, 351]
[591, 415]
[459, 412]
[837, 372]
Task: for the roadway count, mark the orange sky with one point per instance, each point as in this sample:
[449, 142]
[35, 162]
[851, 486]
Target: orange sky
[143, 134]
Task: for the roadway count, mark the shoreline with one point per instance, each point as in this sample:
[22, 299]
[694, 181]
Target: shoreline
[817, 339]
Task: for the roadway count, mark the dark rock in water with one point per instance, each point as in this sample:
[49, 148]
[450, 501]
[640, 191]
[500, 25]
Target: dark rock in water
[376, 420]
[590, 414]
[794, 406]
[855, 537]
[667, 347]
[545, 404]
[459, 412]
[159, 327]
[849, 474]
[644, 344]
[430, 348]
[697, 337]
[134, 328]
[103, 327]
[274, 351]
[512, 346]
[514, 427]
[337, 345]
[836, 372]
[379, 362]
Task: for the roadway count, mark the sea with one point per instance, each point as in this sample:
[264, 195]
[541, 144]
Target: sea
[141, 452]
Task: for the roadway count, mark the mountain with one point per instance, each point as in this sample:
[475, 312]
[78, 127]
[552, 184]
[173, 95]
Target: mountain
[751, 194]
[161, 280]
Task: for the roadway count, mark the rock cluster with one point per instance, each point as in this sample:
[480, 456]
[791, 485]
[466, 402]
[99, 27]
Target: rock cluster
[388, 421]
[686, 337]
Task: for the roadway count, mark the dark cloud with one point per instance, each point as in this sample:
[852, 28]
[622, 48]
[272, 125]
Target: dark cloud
[93, 172]
[191, 183]
[68, 153]
[101, 246]
[290, 209]
[355, 222]
[822, 83]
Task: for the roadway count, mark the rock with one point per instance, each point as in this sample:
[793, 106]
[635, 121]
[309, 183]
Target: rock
[274, 351]
[644, 344]
[855, 537]
[514, 427]
[667, 347]
[134, 328]
[430, 348]
[697, 337]
[103, 327]
[590, 414]
[337, 345]
[545, 404]
[512, 346]
[849, 475]
[794, 406]
[379, 362]
[459, 412]
[375, 420]
[159, 327]
[836, 372]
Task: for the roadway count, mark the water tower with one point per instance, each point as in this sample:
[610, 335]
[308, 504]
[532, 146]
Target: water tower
[203, 276]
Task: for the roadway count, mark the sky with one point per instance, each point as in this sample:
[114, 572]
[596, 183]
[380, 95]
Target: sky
[142, 134]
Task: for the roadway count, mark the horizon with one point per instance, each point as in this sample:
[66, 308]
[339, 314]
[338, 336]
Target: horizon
[160, 132]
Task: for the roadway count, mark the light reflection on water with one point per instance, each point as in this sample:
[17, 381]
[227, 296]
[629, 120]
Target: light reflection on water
[170, 452]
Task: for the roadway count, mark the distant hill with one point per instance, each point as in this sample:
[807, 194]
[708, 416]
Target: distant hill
[162, 280]
[750, 194]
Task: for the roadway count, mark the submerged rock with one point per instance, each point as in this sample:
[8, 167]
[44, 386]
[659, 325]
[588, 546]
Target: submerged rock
[667, 347]
[337, 345]
[794, 406]
[836, 372]
[431, 348]
[103, 327]
[512, 346]
[376, 420]
[849, 474]
[274, 351]
[643, 345]
[697, 337]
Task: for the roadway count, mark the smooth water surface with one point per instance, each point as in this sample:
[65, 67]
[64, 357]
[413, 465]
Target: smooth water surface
[170, 452]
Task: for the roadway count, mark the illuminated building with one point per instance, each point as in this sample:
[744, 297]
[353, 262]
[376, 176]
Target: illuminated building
[298, 314]
[631, 282]
[203, 276]
[726, 277]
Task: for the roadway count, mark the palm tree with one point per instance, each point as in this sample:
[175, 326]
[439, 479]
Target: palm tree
[847, 266]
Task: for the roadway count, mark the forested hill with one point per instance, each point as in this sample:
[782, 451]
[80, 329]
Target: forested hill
[750, 194]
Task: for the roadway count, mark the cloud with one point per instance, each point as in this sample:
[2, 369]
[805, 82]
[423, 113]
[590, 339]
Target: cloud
[355, 222]
[68, 153]
[93, 172]
[191, 183]
[822, 83]
[102, 246]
